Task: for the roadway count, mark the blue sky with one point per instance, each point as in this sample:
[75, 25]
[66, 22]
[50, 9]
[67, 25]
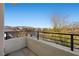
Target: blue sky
[38, 14]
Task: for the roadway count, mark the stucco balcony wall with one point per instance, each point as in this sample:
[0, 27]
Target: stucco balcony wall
[39, 47]
[14, 44]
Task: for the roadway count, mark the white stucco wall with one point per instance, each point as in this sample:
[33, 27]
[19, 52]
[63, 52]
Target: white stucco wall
[14, 44]
[43, 48]
[39, 47]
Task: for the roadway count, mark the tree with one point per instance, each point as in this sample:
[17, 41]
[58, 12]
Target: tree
[58, 22]
[74, 27]
[45, 29]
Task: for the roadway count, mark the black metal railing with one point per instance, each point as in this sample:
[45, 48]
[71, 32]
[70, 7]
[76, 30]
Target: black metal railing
[64, 39]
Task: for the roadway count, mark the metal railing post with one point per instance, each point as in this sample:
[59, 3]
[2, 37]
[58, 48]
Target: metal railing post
[72, 43]
[37, 35]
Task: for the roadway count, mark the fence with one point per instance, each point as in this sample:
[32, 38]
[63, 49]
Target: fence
[68, 40]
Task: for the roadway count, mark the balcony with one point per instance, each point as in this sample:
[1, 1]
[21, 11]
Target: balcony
[37, 45]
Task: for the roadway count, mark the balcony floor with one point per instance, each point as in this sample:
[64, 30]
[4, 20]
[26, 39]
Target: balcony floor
[22, 52]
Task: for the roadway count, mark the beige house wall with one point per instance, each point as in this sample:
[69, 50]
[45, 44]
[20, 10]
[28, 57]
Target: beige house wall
[1, 30]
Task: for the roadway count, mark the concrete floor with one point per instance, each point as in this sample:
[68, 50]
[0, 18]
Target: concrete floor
[22, 52]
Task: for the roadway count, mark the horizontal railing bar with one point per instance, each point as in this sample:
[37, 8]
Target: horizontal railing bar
[63, 38]
[61, 33]
[56, 33]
